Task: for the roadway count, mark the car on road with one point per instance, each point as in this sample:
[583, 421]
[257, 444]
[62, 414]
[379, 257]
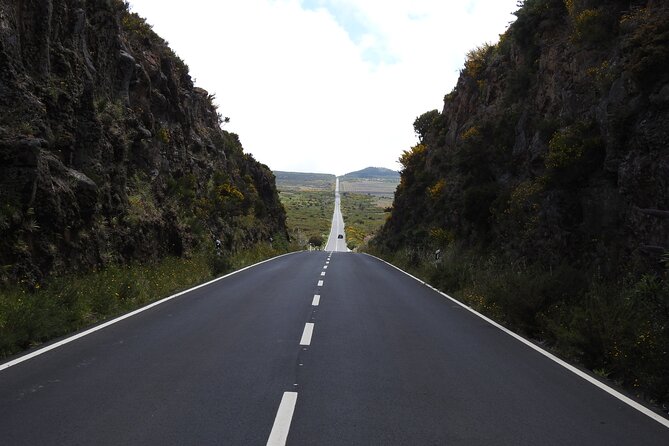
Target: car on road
[340, 236]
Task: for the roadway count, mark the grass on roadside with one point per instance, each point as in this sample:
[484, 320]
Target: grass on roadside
[617, 330]
[29, 317]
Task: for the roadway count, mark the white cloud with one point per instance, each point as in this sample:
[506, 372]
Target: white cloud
[316, 89]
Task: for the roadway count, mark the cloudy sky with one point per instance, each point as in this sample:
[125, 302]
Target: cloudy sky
[326, 85]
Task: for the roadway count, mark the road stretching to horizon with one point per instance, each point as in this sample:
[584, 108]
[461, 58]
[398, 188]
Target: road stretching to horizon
[337, 227]
[311, 348]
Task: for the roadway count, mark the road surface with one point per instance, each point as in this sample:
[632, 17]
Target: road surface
[311, 348]
[337, 228]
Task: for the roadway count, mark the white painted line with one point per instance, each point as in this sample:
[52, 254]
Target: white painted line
[614, 393]
[282, 421]
[320, 283]
[307, 333]
[62, 342]
[317, 300]
[323, 273]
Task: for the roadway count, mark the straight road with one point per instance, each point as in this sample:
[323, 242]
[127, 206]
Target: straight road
[312, 348]
[337, 228]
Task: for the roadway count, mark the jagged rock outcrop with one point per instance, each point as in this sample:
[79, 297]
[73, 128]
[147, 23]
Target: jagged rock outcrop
[551, 141]
[544, 181]
[108, 152]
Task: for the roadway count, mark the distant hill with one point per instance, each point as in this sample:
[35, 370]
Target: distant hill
[374, 172]
[304, 181]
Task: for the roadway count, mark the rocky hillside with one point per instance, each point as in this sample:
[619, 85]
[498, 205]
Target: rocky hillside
[550, 159]
[108, 152]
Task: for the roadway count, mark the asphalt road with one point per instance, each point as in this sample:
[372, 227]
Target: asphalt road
[387, 361]
[337, 228]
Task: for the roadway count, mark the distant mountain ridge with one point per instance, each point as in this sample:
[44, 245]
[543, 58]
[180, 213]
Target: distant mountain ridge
[279, 174]
[374, 172]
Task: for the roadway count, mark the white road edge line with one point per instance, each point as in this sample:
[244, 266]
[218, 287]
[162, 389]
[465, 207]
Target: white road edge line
[284, 415]
[317, 300]
[614, 393]
[320, 283]
[67, 340]
[307, 333]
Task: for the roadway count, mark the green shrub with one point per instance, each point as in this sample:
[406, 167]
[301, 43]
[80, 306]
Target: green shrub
[477, 60]
[477, 203]
[219, 263]
[593, 26]
[426, 123]
[163, 135]
[646, 43]
[316, 241]
[574, 152]
[618, 328]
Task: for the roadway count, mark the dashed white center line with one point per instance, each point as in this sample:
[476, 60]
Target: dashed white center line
[282, 421]
[323, 273]
[306, 334]
[317, 300]
[320, 283]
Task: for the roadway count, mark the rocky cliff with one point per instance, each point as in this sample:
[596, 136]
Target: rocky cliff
[108, 152]
[554, 143]
[549, 164]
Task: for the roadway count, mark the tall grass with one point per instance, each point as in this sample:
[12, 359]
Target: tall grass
[31, 316]
[618, 329]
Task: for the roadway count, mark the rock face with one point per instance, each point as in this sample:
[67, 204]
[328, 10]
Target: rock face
[544, 183]
[108, 152]
[552, 144]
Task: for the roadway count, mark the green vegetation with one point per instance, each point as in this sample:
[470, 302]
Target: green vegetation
[299, 181]
[366, 198]
[364, 214]
[308, 214]
[119, 199]
[534, 198]
[308, 198]
[309, 202]
[616, 327]
[383, 187]
[31, 315]
[316, 241]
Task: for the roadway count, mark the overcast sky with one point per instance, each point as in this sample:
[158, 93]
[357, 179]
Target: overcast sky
[326, 86]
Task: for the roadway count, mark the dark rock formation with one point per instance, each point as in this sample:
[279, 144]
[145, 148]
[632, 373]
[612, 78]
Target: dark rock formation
[551, 141]
[545, 181]
[107, 151]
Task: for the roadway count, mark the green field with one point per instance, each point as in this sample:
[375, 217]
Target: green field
[309, 202]
[364, 202]
[299, 181]
[308, 214]
[380, 187]
[364, 214]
